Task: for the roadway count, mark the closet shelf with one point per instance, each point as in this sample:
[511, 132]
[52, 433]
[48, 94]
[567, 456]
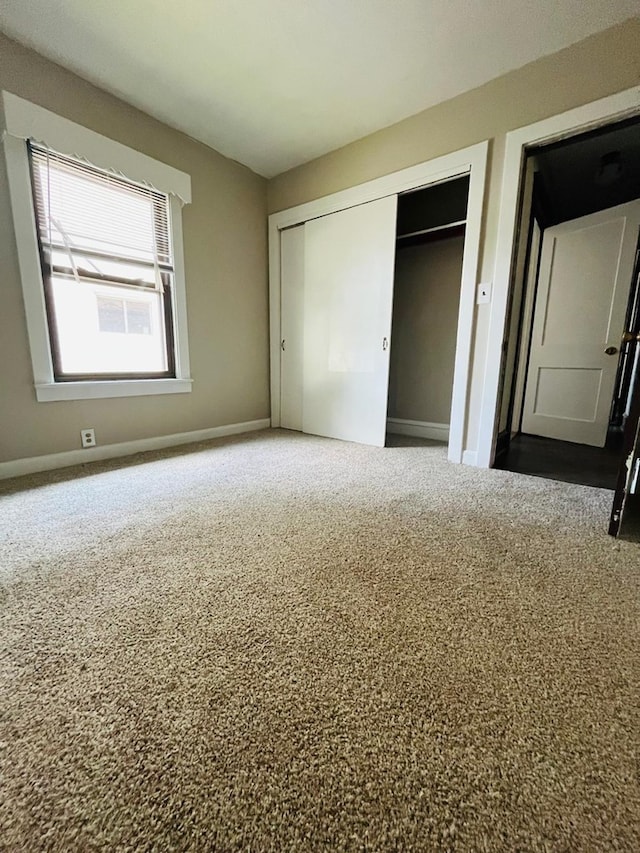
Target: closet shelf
[432, 230]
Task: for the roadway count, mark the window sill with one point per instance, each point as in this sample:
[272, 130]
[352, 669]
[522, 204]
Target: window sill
[51, 391]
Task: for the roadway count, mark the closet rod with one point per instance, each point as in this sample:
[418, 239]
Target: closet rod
[432, 230]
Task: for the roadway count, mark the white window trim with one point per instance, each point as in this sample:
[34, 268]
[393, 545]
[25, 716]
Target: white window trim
[24, 120]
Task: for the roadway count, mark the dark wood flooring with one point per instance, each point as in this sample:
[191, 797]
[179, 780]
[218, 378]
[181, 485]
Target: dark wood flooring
[563, 460]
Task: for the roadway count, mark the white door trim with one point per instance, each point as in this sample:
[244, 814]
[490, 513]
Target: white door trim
[604, 111]
[472, 161]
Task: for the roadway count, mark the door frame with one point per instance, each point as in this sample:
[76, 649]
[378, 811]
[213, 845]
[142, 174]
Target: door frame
[597, 114]
[472, 161]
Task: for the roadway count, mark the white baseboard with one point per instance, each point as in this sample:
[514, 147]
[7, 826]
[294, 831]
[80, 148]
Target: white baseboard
[33, 464]
[470, 457]
[418, 429]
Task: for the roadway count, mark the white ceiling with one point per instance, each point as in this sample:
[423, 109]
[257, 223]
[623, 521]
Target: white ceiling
[274, 83]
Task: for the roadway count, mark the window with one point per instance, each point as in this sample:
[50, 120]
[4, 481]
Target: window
[107, 270]
[100, 250]
[128, 316]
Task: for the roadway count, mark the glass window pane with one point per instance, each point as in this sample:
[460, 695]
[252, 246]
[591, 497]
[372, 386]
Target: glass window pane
[101, 331]
[138, 317]
[111, 315]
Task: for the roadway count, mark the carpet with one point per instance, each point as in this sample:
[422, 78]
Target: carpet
[278, 642]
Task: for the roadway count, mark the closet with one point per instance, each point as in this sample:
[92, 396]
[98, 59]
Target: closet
[428, 271]
[368, 314]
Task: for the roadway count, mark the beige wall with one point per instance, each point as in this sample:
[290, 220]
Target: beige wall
[426, 297]
[602, 65]
[225, 264]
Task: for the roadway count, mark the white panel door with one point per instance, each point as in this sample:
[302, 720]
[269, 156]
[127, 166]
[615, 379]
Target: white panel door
[349, 264]
[585, 275]
[291, 326]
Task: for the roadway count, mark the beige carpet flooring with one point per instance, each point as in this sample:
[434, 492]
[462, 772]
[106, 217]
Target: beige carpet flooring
[284, 643]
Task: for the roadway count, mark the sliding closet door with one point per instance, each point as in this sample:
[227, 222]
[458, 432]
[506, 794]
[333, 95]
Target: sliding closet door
[291, 326]
[349, 263]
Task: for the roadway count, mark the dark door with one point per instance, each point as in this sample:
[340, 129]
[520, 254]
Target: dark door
[625, 513]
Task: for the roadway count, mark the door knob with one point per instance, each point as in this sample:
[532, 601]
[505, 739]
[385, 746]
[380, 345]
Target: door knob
[611, 350]
[628, 337]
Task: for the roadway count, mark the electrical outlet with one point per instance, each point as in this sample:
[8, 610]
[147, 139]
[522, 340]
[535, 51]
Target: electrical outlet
[88, 437]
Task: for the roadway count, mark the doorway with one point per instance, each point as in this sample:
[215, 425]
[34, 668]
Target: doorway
[567, 369]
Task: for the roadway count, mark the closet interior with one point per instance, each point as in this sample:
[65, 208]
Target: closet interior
[426, 295]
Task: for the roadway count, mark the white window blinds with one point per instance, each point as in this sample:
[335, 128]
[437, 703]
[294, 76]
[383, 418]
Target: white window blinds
[83, 212]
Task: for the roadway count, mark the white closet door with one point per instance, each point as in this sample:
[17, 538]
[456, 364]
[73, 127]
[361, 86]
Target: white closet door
[585, 274]
[292, 326]
[349, 264]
